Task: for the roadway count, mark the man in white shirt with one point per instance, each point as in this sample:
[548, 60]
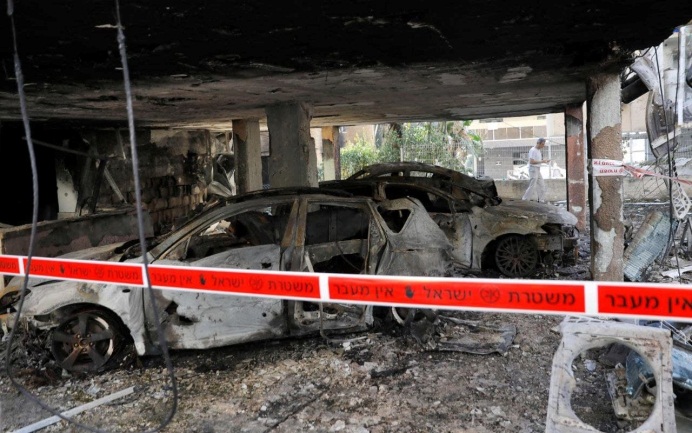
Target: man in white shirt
[536, 187]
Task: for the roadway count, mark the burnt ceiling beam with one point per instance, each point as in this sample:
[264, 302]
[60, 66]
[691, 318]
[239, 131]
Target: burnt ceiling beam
[198, 65]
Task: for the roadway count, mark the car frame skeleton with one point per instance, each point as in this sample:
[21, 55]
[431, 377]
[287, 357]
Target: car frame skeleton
[283, 230]
[513, 236]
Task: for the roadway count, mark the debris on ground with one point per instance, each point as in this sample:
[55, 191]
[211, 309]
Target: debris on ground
[390, 378]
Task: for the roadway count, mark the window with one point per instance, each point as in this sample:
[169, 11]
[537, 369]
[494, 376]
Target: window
[253, 227]
[330, 223]
[336, 237]
[519, 158]
[513, 133]
[395, 219]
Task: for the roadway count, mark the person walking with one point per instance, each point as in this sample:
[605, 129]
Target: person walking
[536, 187]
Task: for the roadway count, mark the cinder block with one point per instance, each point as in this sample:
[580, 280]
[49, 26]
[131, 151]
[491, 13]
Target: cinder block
[653, 344]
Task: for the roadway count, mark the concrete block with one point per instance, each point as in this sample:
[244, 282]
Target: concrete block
[653, 344]
[160, 204]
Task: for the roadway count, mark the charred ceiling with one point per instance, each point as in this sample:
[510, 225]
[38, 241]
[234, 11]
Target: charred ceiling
[201, 64]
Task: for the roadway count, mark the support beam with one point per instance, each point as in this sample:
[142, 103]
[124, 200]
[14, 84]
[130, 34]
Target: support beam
[605, 193]
[330, 153]
[292, 159]
[576, 163]
[248, 156]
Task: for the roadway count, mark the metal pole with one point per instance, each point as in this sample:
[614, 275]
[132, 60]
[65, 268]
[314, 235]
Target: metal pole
[682, 57]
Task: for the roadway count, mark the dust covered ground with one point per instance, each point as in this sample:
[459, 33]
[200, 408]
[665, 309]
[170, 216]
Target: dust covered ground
[390, 379]
[381, 381]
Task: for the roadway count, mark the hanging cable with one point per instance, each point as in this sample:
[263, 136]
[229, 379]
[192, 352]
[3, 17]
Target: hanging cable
[140, 217]
[32, 237]
[34, 220]
[671, 164]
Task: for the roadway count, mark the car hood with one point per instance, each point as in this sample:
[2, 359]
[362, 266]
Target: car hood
[545, 213]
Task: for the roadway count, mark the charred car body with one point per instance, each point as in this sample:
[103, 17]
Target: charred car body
[513, 236]
[276, 230]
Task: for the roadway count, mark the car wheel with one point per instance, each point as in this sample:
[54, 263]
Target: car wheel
[86, 340]
[516, 256]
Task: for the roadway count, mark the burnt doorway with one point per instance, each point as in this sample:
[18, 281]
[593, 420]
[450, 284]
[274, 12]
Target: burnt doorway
[16, 205]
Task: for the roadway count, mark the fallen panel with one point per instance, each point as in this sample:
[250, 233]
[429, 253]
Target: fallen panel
[648, 244]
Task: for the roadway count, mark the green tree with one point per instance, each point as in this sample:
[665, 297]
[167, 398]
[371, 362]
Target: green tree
[448, 144]
[356, 155]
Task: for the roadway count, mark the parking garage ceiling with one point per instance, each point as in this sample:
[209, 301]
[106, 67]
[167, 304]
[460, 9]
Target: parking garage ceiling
[202, 64]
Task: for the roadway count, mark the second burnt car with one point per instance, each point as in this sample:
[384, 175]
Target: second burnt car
[487, 232]
[282, 230]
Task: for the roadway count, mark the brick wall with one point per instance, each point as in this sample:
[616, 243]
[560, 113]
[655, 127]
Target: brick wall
[174, 169]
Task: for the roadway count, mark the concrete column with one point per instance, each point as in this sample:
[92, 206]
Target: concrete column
[330, 149]
[576, 163]
[338, 145]
[292, 159]
[248, 156]
[605, 192]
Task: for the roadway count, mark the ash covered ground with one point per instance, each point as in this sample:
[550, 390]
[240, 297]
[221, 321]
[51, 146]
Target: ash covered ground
[390, 379]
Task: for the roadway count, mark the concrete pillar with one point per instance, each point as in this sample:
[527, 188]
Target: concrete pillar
[576, 163]
[330, 149]
[248, 156]
[605, 192]
[338, 145]
[292, 158]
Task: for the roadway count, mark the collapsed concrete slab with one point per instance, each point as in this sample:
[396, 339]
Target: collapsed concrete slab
[653, 344]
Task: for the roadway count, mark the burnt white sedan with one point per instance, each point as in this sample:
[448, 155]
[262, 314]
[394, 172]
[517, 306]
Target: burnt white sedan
[313, 231]
[514, 237]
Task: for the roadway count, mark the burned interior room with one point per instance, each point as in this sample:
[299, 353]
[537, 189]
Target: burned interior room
[183, 249]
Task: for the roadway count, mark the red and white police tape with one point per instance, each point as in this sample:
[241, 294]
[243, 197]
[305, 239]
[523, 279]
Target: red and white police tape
[590, 298]
[613, 167]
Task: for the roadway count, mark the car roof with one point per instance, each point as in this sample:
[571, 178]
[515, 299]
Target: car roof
[414, 187]
[405, 168]
[484, 186]
[261, 194]
[283, 191]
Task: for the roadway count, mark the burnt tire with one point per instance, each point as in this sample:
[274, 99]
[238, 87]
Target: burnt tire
[516, 256]
[87, 341]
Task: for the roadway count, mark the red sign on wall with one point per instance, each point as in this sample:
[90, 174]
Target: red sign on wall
[233, 281]
[482, 294]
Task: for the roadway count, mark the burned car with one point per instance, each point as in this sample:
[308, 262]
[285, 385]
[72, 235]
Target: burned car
[454, 182]
[487, 232]
[274, 230]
